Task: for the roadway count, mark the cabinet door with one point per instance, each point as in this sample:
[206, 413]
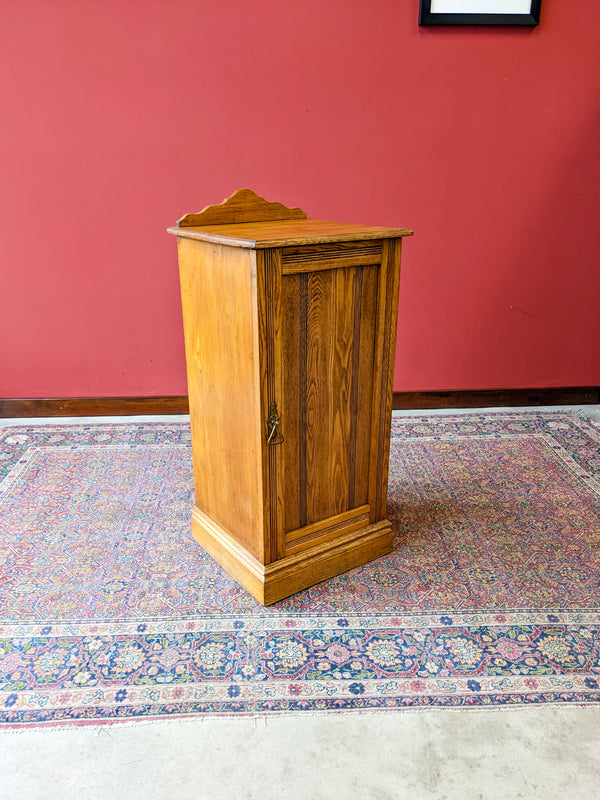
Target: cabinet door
[330, 383]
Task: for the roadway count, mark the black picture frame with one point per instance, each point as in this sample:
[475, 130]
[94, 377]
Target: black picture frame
[426, 17]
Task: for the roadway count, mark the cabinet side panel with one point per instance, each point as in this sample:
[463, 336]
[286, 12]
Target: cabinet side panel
[218, 291]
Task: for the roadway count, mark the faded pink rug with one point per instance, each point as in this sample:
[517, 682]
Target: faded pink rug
[110, 610]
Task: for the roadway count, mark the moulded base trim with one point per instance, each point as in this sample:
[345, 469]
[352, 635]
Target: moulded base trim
[272, 582]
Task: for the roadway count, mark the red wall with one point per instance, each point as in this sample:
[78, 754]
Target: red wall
[120, 115]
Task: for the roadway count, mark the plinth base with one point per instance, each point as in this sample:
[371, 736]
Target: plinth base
[272, 582]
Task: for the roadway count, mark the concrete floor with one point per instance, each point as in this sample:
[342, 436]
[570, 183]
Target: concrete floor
[526, 753]
[547, 752]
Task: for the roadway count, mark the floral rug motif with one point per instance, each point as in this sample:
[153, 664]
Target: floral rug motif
[109, 609]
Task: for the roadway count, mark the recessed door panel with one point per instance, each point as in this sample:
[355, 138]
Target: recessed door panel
[328, 321]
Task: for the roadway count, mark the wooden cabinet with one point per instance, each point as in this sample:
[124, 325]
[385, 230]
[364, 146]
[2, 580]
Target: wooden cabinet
[290, 330]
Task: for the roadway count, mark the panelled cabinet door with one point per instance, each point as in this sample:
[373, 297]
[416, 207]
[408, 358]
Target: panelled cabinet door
[328, 306]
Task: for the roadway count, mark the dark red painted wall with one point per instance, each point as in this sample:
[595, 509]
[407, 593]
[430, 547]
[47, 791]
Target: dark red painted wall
[119, 116]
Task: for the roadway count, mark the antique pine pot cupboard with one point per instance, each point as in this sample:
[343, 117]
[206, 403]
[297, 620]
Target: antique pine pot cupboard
[290, 330]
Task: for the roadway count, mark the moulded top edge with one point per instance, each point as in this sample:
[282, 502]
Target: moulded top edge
[285, 233]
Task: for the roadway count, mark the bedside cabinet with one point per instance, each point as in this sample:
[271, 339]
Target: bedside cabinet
[290, 331]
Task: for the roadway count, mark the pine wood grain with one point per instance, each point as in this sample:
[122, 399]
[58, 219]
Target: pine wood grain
[305, 326]
[328, 338]
[293, 332]
[364, 382]
[269, 326]
[387, 312]
[326, 530]
[272, 582]
[329, 256]
[218, 291]
[243, 205]
[286, 233]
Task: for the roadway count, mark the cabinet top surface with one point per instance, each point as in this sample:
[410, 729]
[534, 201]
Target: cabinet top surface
[285, 233]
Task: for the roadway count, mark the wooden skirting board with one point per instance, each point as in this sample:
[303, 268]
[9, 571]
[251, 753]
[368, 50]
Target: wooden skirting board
[178, 404]
[93, 406]
[492, 398]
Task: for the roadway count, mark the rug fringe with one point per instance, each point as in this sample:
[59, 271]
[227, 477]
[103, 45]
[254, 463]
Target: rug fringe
[258, 719]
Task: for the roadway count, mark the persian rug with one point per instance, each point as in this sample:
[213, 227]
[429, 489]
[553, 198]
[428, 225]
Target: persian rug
[109, 610]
